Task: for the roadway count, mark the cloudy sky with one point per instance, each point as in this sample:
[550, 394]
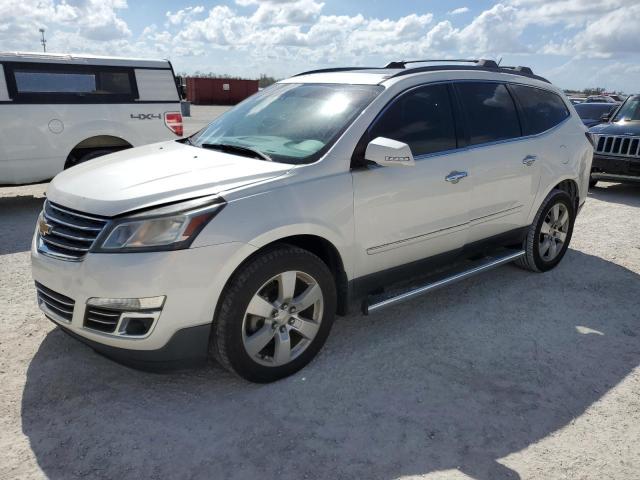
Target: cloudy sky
[576, 43]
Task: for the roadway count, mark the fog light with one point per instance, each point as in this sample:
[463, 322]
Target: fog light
[135, 326]
[129, 304]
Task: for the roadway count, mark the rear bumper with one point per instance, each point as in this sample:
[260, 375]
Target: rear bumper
[615, 168]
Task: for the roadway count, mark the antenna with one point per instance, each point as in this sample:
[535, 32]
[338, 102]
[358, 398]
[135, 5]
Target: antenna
[43, 41]
[499, 61]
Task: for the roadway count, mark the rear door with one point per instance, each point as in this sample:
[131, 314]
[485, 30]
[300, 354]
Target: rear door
[505, 166]
[403, 214]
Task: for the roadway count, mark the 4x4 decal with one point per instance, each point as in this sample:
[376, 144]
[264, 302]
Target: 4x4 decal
[146, 116]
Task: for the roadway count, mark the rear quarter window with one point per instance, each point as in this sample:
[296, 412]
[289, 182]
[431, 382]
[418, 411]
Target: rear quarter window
[541, 109]
[490, 112]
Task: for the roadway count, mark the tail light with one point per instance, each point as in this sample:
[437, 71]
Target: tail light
[173, 121]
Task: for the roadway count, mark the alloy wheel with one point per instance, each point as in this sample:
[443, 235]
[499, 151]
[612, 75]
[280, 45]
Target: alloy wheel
[553, 232]
[282, 318]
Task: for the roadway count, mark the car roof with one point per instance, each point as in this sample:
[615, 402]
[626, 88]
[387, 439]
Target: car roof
[74, 59]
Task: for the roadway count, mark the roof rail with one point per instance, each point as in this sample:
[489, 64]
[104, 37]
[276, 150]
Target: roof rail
[337, 69]
[487, 66]
[480, 62]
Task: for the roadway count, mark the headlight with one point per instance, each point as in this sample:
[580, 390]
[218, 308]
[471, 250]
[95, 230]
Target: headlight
[172, 227]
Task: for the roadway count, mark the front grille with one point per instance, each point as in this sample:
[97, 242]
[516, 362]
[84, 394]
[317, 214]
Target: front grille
[624, 146]
[55, 302]
[101, 319]
[67, 234]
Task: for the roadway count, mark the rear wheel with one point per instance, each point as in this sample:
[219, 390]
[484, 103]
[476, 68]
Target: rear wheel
[275, 314]
[88, 156]
[592, 181]
[549, 234]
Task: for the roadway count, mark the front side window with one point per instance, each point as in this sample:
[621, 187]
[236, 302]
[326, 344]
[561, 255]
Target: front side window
[288, 122]
[491, 113]
[422, 118]
[630, 110]
[542, 110]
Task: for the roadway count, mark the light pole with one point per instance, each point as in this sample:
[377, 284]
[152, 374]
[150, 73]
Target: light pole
[43, 41]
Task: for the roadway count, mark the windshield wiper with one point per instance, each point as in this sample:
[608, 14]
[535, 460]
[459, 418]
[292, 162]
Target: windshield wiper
[231, 148]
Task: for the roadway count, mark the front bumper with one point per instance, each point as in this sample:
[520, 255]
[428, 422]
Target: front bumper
[191, 280]
[615, 167]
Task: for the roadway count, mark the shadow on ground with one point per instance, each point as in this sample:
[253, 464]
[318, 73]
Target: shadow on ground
[622, 193]
[457, 379]
[18, 216]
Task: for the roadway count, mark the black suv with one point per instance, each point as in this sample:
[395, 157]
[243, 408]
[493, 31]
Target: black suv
[617, 145]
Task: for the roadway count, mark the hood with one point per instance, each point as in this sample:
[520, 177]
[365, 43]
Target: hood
[618, 128]
[155, 174]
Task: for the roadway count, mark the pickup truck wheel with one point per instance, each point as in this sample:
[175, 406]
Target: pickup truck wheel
[549, 234]
[275, 315]
[88, 156]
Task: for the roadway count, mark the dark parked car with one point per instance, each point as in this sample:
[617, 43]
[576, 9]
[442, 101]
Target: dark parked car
[600, 99]
[591, 113]
[617, 145]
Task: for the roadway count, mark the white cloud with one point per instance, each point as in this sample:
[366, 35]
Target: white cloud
[184, 15]
[459, 11]
[95, 20]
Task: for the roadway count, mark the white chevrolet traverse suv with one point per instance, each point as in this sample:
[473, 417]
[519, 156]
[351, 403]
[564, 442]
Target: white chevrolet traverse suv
[244, 240]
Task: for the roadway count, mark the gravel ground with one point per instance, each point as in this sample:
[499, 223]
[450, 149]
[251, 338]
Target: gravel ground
[506, 375]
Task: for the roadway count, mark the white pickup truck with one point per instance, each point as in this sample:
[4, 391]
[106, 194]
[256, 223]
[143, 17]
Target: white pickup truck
[60, 110]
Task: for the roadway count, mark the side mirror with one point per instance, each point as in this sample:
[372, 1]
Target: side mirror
[605, 117]
[389, 153]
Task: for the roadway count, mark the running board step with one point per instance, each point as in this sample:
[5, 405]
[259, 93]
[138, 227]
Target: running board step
[487, 263]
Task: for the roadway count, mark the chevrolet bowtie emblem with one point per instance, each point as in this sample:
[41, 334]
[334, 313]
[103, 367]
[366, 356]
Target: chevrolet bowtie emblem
[43, 227]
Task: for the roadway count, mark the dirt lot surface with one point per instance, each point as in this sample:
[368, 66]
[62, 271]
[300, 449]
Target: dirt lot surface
[507, 375]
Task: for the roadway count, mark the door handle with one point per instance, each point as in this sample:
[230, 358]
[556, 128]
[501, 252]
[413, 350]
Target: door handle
[529, 160]
[455, 176]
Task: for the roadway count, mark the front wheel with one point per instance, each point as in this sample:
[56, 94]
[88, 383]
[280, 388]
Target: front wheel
[549, 234]
[275, 314]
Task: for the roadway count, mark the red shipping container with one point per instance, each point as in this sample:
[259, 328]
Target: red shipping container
[219, 91]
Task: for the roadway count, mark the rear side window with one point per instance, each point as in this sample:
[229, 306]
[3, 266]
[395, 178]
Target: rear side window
[541, 109]
[422, 118]
[491, 113]
[71, 83]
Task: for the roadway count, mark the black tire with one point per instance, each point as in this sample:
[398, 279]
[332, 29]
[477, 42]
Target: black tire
[226, 343]
[592, 181]
[532, 260]
[89, 156]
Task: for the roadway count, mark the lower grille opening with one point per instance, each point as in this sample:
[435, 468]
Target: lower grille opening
[127, 323]
[55, 302]
[101, 319]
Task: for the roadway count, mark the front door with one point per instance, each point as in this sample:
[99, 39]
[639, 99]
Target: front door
[403, 214]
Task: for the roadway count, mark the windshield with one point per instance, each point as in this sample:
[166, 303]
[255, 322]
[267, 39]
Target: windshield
[593, 110]
[630, 110]
[289, 123]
